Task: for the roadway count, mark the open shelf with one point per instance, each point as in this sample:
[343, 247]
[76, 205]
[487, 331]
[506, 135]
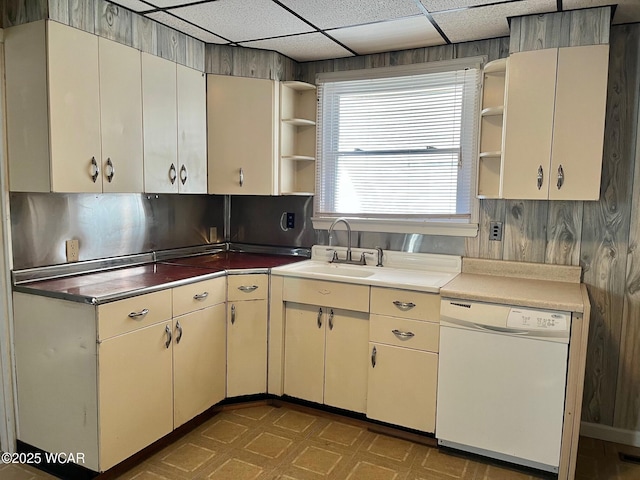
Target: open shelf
[492, 111]
[496, 66]
[297, 138]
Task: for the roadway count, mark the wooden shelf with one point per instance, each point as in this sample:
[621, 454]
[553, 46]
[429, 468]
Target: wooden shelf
[299, 122]
[300, 86]
[490, 154]
[300, 194]
[492, 111]
[300, 158]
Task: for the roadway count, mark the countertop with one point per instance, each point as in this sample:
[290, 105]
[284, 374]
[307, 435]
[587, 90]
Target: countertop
[503, 283]
[102, 287]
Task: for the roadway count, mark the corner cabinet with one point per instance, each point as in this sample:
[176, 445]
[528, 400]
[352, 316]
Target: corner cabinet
[298, 102]
[242, 135]
[554, 123]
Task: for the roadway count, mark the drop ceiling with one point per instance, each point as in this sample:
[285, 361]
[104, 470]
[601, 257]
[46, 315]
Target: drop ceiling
[307, 30]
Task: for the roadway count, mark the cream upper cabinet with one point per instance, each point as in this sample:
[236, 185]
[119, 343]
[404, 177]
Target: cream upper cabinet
[242, 135]
[121, 117]
[554, 123]
[160, 125]
[53, 108]
[192, 130]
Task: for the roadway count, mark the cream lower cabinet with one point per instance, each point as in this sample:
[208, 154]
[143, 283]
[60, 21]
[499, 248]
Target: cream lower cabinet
[403, 358]
[247, 313]
[326, 355]
[108, 380]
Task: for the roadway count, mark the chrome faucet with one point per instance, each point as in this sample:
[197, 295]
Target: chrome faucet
[346, 223]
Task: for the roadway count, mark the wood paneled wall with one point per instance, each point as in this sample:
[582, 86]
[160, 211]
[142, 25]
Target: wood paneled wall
[248, 62]
[603, 236]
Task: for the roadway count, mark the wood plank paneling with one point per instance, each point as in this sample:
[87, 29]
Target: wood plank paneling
[605, 230]
[194, 53]
[59, 11]
[82, 15]
[145, 34]
[564, 233]
[514, 37]
[525, 230]
[17, 12]
[590, 26]
[490, 211]
[114, 22]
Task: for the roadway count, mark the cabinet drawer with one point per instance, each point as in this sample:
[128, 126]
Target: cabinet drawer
[130, 314]
[196, 296]
[248, 287]
[405, 304]
[334, 294]
[404, 333]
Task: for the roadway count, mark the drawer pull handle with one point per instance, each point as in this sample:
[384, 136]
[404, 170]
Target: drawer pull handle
[403, 335]
[139, 314]
[540, 177]
[247, 288]
[233, 314]
[560, 177]
[331, 319]
[95, 170]
[374, 354]
[404, 306]
[201, 296]
[179, 328]
[320, 318]
[167, 330]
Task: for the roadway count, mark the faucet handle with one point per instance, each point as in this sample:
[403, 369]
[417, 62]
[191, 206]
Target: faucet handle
[363, 257]
[334, 255]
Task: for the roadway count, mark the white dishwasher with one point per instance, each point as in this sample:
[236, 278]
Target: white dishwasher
[501, 381]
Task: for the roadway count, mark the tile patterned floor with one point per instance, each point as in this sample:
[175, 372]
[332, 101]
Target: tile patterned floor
[266, 442]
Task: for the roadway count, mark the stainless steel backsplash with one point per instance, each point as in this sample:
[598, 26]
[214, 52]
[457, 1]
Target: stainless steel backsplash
[113, 225]
[109, 225]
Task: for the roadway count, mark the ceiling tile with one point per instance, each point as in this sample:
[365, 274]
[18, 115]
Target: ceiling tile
[240, 20]
[343, 13]
[303, 48]
[628, 11]
[411, 32]
[489, 21]
[441, 5]
[185, 27]
[134, 5]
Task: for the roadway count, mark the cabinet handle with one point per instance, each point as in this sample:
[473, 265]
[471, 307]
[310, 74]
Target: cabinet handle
[183, 174]
[110, 169]
[247, 288]
[95, 169]
[233, 314]
[331, 319]
[241, 177]
[141, 313]
[374, 354]
[540, 177]
[172, 174]
[560, 177]
[167, 330]
[402, 335]
[404, 306]
[320, 318]
[201, 296]
[179, 328]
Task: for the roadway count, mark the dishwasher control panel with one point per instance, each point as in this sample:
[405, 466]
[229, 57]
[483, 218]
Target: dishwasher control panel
[525, 318]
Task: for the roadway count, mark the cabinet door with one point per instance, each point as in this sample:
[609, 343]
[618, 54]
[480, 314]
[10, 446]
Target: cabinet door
[192, 130]
[304, 352]
[121, 117]
[135, 392]
[74, 109]
[160, 125]
[199, 359]
[402, 386]
[247, 348]
[242, 135]
[528, 117]
[578, 128]
[346, 359]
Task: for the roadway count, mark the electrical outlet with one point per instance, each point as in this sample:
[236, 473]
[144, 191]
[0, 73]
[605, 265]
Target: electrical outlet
[291, 220]
[495, 231]
[73, 250]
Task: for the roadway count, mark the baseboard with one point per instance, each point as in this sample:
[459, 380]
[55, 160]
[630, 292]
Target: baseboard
[610, 434]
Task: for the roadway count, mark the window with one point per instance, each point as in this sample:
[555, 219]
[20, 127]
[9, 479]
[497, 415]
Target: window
[398, 144]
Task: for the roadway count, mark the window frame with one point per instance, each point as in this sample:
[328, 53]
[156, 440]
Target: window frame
[453, 225]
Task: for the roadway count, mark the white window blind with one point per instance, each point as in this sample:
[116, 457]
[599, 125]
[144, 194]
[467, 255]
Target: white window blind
[399, 145]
